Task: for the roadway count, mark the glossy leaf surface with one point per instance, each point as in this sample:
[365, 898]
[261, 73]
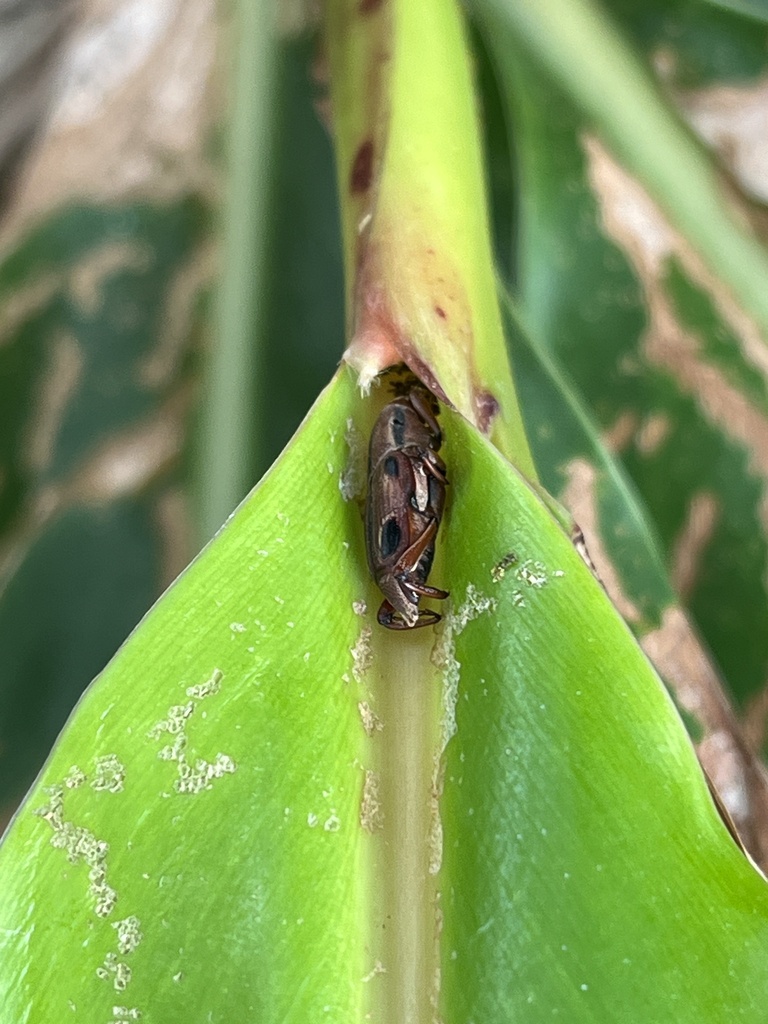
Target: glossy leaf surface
[250, 748]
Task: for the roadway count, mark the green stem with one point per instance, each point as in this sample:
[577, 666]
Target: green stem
[420, 278]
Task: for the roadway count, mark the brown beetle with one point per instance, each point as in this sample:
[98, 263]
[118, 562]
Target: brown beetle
[403, 508]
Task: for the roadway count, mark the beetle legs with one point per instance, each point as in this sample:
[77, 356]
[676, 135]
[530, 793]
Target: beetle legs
[423, 406]
[410, 558]
[392, 619]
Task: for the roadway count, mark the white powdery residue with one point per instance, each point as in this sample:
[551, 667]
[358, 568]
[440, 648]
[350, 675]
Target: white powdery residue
[121, 1014]
[362, 654]
[474, 605]
[129, 934]
[332, 822]
[378, 968]
[371, 721]
[211, 685]
[444, 658]
[192, 777]
[435, 837]
[237, 627]
[352, 478]
[109, 774]
[371, 810]
[116, 971]
[359, 607]
[533, 573]
[75, 778]
[80, 843]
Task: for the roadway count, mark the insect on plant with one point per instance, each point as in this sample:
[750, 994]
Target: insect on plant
[404, 506]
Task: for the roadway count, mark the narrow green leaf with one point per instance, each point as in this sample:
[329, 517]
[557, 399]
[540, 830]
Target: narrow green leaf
[665, 374]
[582, 48]
[564, 436]
[225, 462]
[757, 9]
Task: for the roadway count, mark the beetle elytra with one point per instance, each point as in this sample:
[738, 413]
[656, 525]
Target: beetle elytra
[403, 508]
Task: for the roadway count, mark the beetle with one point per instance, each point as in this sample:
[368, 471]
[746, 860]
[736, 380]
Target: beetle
[403, 508]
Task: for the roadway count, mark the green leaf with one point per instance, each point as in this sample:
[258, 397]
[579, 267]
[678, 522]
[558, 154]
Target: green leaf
[587, 876]
[757, 9]
[566, 443]
[648, 346]
[238, 791]
[587, 56]
[221, 745]
[90, 376]
[225, 469]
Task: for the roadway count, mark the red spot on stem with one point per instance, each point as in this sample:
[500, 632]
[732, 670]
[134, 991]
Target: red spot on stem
[487, 408]
[362, 168]
[441, 312]
[369, 6]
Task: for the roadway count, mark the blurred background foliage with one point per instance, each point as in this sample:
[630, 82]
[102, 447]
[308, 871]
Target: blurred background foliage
[642, 383]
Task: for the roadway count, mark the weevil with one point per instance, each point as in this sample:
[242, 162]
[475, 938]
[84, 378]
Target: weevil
[403, 508]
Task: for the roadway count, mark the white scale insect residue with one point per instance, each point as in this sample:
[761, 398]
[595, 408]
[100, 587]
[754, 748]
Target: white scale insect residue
[533, 573]
[116, 971]
[378, 968]
[474, 605]
[192, 777]
[371, 721]
[362, 654]
[81, 844]
[109, 774]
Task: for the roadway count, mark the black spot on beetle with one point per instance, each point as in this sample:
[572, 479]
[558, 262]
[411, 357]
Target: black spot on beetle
[398, 428]
[391, 466]
[389, 540]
